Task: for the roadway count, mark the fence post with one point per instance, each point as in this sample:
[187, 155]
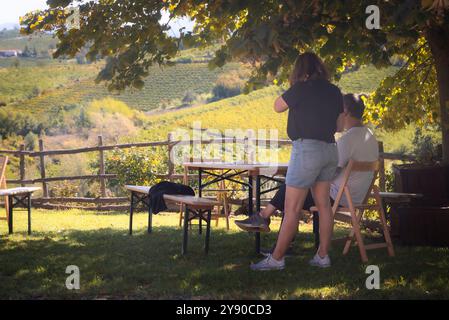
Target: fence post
[191, 151]
[101, 172]
[171, 165]
[381, 167]
[22, 164]
[42, 168]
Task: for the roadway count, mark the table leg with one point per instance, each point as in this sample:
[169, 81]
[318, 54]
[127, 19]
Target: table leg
[257, 235]
[250, 196]
[209, 216]
[150, 216]
[29, 213]
[200, 186]
[200, 192]
[10, 221]
[258, 193]
[131, 211]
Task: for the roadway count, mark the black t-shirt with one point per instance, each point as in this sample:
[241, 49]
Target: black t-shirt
[314, 107]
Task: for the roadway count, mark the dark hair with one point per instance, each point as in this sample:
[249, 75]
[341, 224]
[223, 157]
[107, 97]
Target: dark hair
[308, 66]
[354, 104]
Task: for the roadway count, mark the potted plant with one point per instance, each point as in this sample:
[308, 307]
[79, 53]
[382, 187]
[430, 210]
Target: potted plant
[425, 174]
[425, 221]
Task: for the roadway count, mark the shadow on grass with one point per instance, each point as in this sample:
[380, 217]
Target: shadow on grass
[115, 265]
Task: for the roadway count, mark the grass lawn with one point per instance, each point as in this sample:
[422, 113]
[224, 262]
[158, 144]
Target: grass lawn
[115, 265]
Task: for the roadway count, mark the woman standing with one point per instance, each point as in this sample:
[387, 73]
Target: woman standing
[315, 114]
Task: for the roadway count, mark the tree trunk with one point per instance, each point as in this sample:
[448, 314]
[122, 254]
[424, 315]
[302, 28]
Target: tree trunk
[438, 39]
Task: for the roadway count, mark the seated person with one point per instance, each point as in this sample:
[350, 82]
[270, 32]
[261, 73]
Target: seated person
[357, 143]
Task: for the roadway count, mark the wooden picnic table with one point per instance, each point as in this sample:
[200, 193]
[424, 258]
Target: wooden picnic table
[258, 174]
[16, 197]
[261, 173]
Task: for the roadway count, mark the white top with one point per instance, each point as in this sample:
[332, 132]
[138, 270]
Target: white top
[358, 144]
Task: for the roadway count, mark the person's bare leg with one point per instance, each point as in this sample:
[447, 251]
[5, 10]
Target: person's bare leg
[321, 197]
[294, 201]
[268, 211]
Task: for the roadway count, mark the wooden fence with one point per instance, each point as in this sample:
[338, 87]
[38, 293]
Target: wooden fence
[112, 203]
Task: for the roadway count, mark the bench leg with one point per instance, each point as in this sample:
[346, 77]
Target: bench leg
[150, 217]
[7, 208]
[29, 213]
[10, 220]
[209, 217]
[200, 222]
[131, 211]
[186, 229]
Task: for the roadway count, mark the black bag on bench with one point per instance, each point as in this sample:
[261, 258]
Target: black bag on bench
[157, 192]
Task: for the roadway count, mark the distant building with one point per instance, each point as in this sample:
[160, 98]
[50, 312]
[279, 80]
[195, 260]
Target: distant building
[10, 53]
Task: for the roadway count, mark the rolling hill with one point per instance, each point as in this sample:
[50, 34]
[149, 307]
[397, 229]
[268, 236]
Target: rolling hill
[69, 83]
[12, 39]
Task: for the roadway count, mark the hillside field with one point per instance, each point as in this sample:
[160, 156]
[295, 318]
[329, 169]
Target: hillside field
[66, 83]
[12, 39]
[48, 84]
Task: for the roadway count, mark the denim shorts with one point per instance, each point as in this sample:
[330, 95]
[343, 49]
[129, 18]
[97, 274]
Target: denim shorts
[311, 161]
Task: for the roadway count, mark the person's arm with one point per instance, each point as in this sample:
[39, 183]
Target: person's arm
[280, 105]
[340, 112]
[344, 147]
[344, 154]
[341, 122]
[287, 100]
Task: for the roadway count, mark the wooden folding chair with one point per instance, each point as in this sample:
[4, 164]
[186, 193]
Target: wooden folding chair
[3, 163]
[223, 199]
[354, 212]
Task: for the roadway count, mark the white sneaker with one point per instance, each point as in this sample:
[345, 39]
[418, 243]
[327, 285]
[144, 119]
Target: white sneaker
[317, 261]
[269, 263]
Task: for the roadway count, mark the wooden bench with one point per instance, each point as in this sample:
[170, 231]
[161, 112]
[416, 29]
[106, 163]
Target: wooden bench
[18, 196]
[194, 208]
[139, 194]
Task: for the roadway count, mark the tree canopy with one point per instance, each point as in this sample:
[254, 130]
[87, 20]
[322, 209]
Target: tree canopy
[269, 34]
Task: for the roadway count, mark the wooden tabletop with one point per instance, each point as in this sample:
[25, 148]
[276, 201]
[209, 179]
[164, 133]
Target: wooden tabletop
[191, 200]
[398, 195]
[18, 191]
[260, 168]
[138, 189]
